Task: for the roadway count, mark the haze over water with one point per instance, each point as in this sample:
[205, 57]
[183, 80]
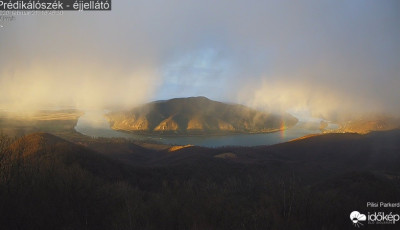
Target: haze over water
[94, 124]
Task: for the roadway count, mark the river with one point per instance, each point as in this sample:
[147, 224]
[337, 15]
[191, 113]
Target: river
[93, 123]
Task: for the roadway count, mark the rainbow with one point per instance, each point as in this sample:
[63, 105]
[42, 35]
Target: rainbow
[282, 128]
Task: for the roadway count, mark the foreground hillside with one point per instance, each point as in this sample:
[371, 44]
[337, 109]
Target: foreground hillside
[197, 115]
[313, 183]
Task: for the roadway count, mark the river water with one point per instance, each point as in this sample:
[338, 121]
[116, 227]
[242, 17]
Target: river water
[94, 124]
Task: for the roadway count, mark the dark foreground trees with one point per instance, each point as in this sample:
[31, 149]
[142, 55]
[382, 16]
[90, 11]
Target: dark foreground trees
[53, 188]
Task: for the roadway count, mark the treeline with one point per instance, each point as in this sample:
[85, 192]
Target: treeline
[48, 190]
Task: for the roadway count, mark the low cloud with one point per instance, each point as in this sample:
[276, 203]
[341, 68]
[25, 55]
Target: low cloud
[325, 57]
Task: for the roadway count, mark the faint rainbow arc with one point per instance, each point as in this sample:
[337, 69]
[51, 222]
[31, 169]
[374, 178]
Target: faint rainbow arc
[282, 129]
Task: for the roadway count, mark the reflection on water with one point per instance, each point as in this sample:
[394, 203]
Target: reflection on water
[242, 139]
[93, 123]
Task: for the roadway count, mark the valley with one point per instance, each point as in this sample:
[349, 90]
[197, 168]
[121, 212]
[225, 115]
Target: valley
[120, 184]
[122, 180]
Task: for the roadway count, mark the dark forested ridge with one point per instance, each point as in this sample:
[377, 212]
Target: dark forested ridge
[313, 183]
[197, 115]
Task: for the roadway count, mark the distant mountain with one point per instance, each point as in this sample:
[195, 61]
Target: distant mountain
[368, 124]
[198, 115]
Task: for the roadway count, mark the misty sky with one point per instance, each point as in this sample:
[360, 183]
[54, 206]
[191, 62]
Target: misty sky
[319, 56]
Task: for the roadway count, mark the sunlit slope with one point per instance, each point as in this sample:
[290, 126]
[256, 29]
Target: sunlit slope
[370, 123]
[52, 150]
[50, 121]
[198, 115]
